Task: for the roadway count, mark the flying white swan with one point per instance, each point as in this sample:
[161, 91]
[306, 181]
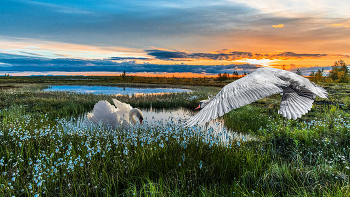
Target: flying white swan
[298, 94]
[114, 116]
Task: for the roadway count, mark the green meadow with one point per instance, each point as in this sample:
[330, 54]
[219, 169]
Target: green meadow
[45, 149]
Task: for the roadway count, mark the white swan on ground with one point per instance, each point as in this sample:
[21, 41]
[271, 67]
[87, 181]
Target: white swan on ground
[298, 94]
[114, 116]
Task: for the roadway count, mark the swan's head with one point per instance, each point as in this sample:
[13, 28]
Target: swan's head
[137, 113]
[202, 104]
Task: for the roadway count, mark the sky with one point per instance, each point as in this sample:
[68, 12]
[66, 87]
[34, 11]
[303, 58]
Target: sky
[161, 37]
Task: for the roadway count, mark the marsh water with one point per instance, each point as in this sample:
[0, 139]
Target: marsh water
[152, 116]
[181, 115]
[178, 117]
[113, 89]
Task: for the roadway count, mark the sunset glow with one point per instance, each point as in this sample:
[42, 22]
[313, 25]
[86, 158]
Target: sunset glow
[171, 38]
[263, 62]
[278, 26]
[345, 24]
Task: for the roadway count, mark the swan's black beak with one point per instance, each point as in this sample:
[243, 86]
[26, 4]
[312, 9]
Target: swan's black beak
[199, 106]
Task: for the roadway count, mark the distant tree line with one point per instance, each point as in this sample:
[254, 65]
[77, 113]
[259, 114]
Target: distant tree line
[226, 76]
[125, 78]
[339, 73]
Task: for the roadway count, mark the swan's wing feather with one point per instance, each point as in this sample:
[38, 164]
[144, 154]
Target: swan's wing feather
[300, 84]
[123, 109]
[91, 117]
[237, 94]
[295, 103]
[105, 112]
[122, 106]
[122, 115]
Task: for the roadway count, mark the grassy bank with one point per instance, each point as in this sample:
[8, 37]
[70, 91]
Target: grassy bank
[45, 156]
[66, 104]
[127, 80]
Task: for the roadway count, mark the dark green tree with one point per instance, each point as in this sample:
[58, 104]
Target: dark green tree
[312, 74]
[124, 75]
[319, 75]
[339, 72]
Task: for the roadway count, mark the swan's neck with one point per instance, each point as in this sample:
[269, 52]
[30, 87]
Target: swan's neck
[133, 119]
[132, 115]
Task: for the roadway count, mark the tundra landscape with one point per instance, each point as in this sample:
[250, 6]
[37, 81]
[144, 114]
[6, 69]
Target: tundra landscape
[48, 149]
[174, 98]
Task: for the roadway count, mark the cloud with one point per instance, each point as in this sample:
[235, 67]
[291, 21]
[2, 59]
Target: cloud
[228, 55]
[117, 23]
[278, 26]
[17, 63]
[58, 8]
[344, 24]
[191, 26]
[292, 8]
[292, 55]
[218, 55]
[129, 58]
[30, 53]
[22, 63]
[167, 55]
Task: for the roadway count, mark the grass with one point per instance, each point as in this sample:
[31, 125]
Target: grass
[44, 155]
[65, 104]
[127, 80]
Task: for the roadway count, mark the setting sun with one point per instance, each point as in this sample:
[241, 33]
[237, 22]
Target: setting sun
[263, 62]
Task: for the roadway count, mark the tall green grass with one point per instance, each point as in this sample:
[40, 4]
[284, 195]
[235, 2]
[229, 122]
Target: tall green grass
[45, 156]
[60, 158]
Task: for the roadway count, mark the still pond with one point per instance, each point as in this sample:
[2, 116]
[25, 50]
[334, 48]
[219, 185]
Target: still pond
[113, 89]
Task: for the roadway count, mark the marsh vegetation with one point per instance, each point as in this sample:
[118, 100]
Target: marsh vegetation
[45, 152]
[122, 80]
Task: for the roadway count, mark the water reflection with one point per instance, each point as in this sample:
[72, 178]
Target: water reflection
[176, 118]
[113, 89]
[181, 115]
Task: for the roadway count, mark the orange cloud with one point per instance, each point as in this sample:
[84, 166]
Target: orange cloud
[345, 24]
[278, 26]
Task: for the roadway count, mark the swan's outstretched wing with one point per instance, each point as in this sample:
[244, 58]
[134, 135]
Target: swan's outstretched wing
[105, 112]
[298, 94]
[295, 103]
[123, 109]
[237, 94]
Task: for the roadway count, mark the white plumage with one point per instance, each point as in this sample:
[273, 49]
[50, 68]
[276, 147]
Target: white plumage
[298, 94]
[114, 116]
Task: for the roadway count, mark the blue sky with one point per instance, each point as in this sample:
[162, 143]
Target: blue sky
[107, 35]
